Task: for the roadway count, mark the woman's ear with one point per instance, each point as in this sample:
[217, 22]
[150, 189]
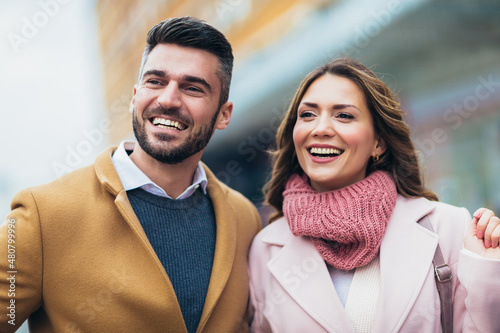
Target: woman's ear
[380, 147]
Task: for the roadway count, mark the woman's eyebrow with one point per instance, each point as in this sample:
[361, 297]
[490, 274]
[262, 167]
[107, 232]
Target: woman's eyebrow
[344, 106]
[334, 107]
[309, 104]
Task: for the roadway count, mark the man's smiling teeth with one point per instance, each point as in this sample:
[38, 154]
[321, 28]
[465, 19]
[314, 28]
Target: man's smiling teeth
[325, 151]
[167, 123]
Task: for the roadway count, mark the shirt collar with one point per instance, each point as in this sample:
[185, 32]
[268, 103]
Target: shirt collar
[132, 177]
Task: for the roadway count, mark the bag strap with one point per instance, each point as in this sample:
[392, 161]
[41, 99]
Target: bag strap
[443, 282]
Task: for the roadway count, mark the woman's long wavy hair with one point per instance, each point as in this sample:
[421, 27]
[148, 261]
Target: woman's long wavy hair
[400, 159]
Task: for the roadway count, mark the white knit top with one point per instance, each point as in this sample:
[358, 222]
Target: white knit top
[358, 290]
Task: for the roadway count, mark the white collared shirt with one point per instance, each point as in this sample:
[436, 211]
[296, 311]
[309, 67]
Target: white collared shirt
[132, 177]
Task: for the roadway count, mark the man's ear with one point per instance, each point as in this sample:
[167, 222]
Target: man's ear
[132, 101]
[224, 116]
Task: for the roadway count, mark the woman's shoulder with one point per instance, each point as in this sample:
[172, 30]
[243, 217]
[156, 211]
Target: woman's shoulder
[276, 232]
[267, 243]
[444, 217]
[434, 207]
[448, 208]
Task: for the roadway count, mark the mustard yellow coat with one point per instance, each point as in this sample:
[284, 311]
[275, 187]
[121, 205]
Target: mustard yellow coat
[81, 261]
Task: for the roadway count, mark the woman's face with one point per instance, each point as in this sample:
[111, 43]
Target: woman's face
[334, 136]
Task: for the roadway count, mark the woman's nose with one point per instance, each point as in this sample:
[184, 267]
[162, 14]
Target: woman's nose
[323, 128]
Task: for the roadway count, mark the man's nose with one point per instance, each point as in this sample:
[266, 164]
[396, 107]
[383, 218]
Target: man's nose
[170, 97]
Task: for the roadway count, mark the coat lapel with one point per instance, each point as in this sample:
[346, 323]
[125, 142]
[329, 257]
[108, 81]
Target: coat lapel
[109, 178]
[225, 245]
[303, 274]
[107, 175]
[406, 256]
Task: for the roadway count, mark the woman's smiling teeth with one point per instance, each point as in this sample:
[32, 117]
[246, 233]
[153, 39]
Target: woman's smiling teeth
[325, 152]
[167, 123]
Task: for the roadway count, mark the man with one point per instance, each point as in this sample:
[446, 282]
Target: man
[146, 239]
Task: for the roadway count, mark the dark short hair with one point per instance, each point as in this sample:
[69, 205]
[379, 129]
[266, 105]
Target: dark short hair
[191, 32]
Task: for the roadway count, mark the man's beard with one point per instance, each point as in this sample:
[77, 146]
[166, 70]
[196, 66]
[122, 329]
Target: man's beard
[194, 143]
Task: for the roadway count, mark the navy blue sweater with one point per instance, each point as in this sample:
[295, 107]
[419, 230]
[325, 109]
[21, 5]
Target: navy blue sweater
[182, 233]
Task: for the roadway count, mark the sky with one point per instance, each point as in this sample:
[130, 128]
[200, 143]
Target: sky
[51, 91]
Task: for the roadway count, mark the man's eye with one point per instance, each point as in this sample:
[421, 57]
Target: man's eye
[153, 82]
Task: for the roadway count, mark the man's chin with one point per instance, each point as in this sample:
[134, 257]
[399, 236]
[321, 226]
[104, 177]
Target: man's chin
[170, 154]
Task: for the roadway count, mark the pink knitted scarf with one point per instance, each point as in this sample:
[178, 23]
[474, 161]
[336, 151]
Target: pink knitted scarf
[345, 225]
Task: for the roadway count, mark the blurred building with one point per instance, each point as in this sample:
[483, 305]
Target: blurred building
[442, 57]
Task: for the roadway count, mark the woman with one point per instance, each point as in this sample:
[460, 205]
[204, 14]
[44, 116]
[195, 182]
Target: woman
[345, 252]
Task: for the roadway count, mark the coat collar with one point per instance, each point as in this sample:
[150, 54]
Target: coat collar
[106, 173]
[405, 259]
[406, 255]
[225, 246]
[303, 274]
[109, 179]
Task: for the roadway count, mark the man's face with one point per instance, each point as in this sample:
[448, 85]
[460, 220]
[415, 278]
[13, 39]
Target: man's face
[175, 105]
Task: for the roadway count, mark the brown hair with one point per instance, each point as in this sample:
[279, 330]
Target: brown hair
[400, 159]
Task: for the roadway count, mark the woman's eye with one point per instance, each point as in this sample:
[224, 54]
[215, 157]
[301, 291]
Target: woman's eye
[306, 114]
[345, 116]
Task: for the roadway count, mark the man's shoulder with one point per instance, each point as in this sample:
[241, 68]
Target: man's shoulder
[237, 196]
[229, 194]
[244, 210]
[76, 181]
[63, 196]
[236, 199]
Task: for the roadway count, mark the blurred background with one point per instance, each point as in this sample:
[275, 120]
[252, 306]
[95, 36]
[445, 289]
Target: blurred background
[68, 68]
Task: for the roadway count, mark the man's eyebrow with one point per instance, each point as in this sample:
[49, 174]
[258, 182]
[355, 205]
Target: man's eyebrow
[187, 78]
[154, 72]
[195, 79]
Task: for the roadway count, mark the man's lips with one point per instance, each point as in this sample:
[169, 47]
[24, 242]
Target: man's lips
[168, 123]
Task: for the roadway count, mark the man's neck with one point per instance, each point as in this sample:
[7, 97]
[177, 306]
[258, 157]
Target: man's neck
[174, 179]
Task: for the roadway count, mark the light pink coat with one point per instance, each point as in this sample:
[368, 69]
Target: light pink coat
[291, 289]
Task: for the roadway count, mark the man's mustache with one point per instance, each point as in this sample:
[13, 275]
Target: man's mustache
[167, 112]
